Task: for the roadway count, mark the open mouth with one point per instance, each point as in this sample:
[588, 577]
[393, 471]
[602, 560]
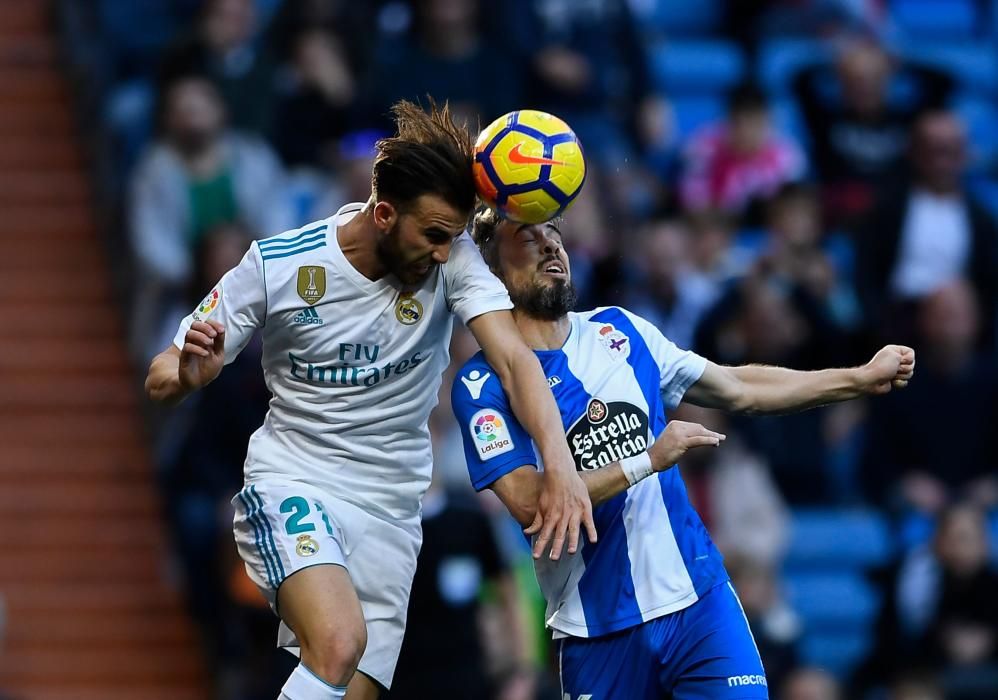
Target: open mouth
[554, 268]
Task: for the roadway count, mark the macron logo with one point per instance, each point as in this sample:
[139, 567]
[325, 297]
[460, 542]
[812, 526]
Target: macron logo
[735, 681]
[475, 382]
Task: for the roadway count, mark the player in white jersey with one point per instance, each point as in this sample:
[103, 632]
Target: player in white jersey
[648, 612]
[356, 314]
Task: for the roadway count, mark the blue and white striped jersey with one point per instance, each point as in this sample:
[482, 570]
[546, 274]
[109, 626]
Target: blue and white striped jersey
[612, 380]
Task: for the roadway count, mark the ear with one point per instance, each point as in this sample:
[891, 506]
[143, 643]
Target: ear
[385, 215]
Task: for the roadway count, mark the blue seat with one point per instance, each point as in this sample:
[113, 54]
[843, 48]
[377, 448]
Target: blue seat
[696, 66]
[974, 65]
[839, 654]
[981, 120]
[694, 113]
[781, 59]
[678, 17]
[835, 538]
[788, 120]
[927, 19]
[832, 601]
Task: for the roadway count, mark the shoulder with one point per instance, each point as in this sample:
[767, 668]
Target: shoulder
[293, 243]
[476, 384]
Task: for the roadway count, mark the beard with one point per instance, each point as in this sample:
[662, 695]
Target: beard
[390, 255]
[545, 302]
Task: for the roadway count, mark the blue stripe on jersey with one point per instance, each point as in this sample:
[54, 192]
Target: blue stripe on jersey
[270, 536]
[321, 244]
[290, 246]
[646, 369]
[703, 562]
[606, 588]
[251, 519]
[281, 241]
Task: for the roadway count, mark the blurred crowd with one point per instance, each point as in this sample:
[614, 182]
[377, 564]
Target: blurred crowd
[790, 182]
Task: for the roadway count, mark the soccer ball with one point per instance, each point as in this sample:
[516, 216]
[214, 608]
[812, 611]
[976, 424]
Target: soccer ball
[529, 166]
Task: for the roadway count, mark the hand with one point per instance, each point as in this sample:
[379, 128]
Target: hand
[203, 354]
[891, 367]
[677, 439]
[567, 69]
[563, 504]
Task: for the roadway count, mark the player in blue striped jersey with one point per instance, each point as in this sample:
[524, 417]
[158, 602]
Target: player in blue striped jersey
[648, 611]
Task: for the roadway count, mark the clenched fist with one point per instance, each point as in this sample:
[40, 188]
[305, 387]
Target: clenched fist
[891, 367]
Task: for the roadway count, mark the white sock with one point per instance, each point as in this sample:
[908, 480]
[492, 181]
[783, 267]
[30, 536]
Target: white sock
[304, 685]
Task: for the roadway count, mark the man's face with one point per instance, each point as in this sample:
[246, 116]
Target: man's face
[417, 239]
[194, 115]
[534, 266]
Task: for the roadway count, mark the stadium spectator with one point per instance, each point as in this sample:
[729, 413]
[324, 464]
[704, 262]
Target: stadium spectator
[201, 469]
[728, 165]
[223, 44]
[712, 252]
[940, 613]
[810, 683]
[861, 136]
[775, 626]
[586, 65]
[459, 567]
[958, 386]
[315, 104]
[762, 321]
[447, 54]
[668, 292]
[795, 254]
[930, 231]
[735, 495]
[197, 175]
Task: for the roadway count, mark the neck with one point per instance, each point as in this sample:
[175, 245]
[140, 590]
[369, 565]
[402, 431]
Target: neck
[542, 335]
[358, 240]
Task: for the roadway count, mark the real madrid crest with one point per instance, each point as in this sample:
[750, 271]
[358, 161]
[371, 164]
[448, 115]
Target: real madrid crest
[311, 283]
[408, 309]
[306, 546]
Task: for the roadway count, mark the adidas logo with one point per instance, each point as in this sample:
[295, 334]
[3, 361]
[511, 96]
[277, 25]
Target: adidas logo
[307, 317]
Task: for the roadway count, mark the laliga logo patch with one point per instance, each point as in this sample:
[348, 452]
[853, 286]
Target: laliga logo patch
[408, 310]
[209, 304]
[306, 546]
[614, 342]
[491, 434]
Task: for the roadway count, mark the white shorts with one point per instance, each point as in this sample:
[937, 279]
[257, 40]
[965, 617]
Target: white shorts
[285, 526]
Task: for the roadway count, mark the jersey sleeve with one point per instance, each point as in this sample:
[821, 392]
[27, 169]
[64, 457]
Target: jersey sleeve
[678, 369]
[472, 289]
[495, 443]
[238, 302]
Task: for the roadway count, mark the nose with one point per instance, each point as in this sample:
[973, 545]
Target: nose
[550, 246]
[441, 253]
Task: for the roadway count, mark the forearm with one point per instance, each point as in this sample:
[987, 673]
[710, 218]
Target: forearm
[521, 491]
[780, 390]
[163, 381]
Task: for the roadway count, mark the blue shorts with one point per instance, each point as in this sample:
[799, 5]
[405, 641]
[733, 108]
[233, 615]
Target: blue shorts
[704, 652]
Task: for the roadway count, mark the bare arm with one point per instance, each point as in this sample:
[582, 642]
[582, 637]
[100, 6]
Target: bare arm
[174, 374]
[563, 502]
[519, 490]
[762, 389]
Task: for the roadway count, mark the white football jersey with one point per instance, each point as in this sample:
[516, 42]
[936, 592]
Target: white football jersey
[353, 365]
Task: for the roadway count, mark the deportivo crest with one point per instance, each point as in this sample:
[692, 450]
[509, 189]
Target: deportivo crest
[408, 309]
[617, 345]
[208, 304]
[491, 434]
[311, 283]
[306, 546]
